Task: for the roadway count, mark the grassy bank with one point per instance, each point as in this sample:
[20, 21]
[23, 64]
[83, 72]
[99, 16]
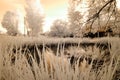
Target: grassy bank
[22, 65]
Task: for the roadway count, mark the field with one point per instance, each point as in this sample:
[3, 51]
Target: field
[44, 58]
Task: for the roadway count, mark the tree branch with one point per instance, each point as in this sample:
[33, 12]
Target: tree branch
[97, 14]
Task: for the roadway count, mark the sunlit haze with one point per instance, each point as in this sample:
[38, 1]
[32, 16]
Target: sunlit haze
[2, 30]
[83, 8]
[52, 9]
[118, 4]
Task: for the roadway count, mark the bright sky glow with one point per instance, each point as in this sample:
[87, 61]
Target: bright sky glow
[2, 30]
[57, 13]
[118, 4]
[21, 27]
[52, 9]
[83, 8]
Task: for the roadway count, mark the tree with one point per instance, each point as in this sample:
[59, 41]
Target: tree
[13, 21]
[103, 15]
[34, 16]
[77, 17]
[100, 15]
[10, 22]
[59, 29]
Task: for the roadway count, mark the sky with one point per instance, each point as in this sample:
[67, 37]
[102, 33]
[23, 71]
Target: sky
[52, 9]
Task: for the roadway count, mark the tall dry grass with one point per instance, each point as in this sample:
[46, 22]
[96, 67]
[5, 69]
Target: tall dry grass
[15, 66]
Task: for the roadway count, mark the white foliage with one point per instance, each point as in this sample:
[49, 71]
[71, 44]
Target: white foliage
[21, 26]
[13, 21]
[59, 28]
[34, 16]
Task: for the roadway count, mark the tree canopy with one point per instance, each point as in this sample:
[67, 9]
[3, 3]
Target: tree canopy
[93, 15]
[34, 16]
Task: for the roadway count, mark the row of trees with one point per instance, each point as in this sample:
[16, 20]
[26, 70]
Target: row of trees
[90, 18]
[84, 16]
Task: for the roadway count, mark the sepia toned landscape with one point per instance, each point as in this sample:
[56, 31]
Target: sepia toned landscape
[62, 40]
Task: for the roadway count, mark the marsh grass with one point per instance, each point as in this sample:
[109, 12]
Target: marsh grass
[15, 66]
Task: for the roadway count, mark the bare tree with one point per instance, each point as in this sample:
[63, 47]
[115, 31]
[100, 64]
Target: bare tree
[75, 19]
[34, 16]
[59, 29]
[101, 15]
[77, 13]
